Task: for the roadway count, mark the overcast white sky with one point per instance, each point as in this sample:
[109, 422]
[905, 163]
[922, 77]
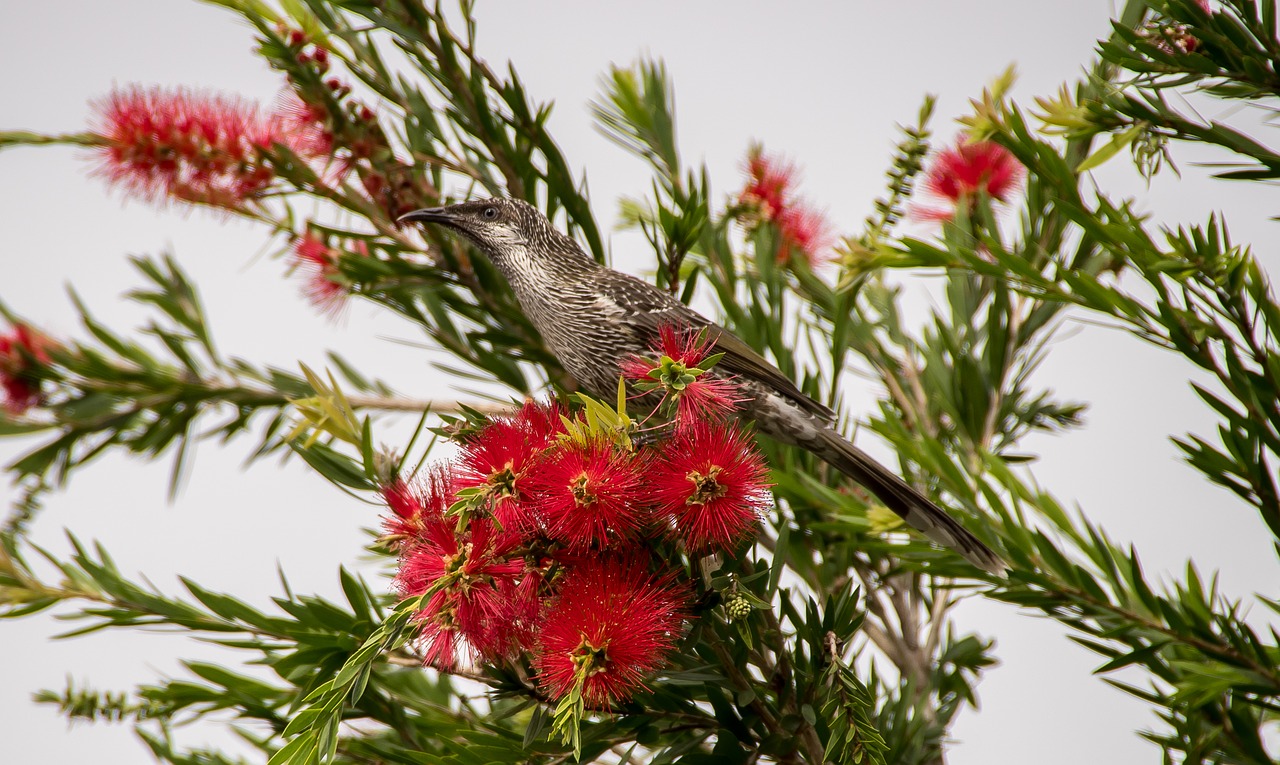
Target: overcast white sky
[823, 82]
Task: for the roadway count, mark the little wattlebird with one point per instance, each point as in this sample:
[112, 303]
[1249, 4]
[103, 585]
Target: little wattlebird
[593, 318]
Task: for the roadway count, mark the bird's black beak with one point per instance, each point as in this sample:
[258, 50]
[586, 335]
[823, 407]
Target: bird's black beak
[428, 215]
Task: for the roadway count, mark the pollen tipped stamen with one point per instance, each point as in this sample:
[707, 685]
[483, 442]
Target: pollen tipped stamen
[581, 493]
[706, 487]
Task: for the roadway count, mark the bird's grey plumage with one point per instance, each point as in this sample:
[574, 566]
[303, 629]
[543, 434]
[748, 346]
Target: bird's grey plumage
[592, 318]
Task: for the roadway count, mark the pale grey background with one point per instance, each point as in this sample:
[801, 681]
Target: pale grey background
[824, 83]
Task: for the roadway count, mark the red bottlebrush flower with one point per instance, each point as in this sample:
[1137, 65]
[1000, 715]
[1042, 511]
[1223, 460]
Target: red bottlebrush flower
[418, 504]
[308, 126]
[22, 349]
[970, 167]
[805, 232]
[706, 398]
[590, 494]
[323, 287]
[770, 194]
[312, 251]
[769, 183]
[305, 125]
[713, 484]
[401, 500]
[609, 626]
[958, 174]
[697, 396]
[468, 579]
[687, 348]
[498, 460]
[543, 571]
[544, 421]
[179, 144]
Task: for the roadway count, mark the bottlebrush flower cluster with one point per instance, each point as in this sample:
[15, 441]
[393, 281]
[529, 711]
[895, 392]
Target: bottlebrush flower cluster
[769, 197]
[194, 147]
[550, 537]
[958, 174]
[22, 350]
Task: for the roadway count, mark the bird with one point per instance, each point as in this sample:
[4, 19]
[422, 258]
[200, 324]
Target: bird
[592, 318]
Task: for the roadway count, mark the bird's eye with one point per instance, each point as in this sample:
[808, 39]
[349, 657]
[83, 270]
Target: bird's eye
[490, 213]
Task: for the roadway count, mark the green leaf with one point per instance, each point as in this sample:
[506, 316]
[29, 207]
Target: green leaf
[1110, 149]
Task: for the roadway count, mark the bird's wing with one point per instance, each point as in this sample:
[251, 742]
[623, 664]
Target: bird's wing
[648, 308]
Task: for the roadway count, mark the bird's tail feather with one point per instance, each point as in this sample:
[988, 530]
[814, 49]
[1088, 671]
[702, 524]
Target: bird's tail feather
[914, 508]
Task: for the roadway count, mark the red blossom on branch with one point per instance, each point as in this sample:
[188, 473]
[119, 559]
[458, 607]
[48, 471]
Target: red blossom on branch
[22, 351]
[770, 182]
[545, 552]
[325, 287]
[697, 396]
[542, 421]
[184, 145]
[610, 625]
[402, 500]
[686, 348]
[468, 578]
[499, 458]
[770, 195]
[712, 483]
[960, 174]
[306, 124]
[591, 494]
[803, 230]
[417, 504]
[320, 262]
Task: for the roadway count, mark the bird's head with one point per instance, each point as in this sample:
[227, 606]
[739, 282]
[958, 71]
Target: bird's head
[512, 232]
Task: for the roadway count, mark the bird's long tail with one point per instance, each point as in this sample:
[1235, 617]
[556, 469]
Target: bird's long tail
[914, 508]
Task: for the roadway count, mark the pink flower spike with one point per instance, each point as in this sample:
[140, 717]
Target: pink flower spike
[401, 500]
[706, 399]
[499, 460]
[304, 125]
[184, 145]
[701, 397]
[688, 347]
[542, 421]
[419, 504]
